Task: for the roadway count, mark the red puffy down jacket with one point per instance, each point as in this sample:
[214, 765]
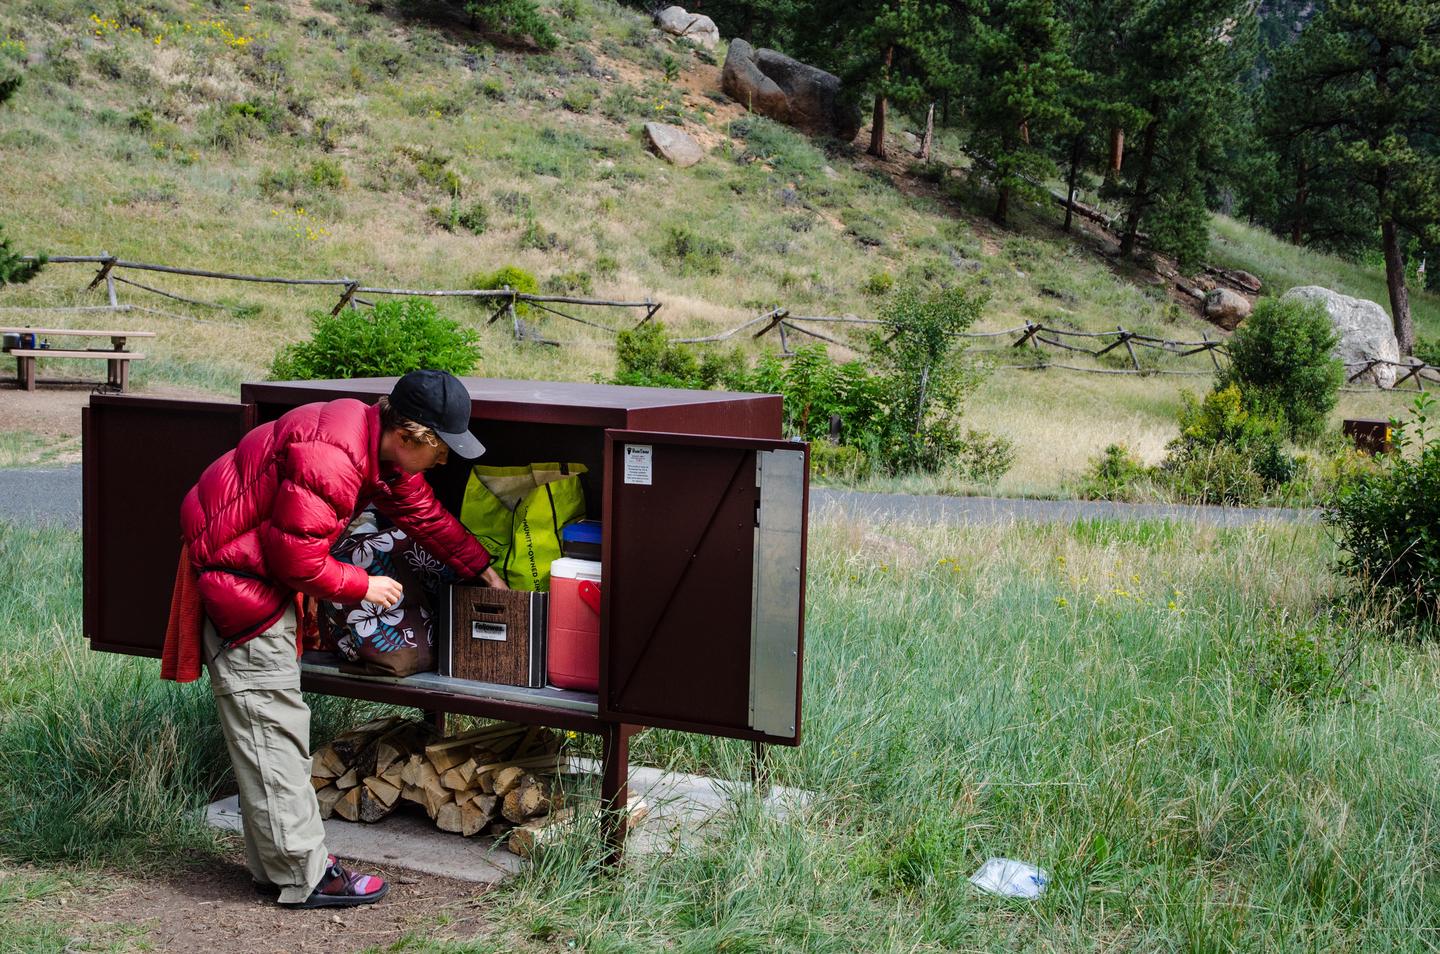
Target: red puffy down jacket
[262, 518]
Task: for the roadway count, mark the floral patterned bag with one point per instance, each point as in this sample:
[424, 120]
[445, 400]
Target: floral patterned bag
[386, 641]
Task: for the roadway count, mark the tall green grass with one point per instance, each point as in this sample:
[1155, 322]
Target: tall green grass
[1101, 702]
[1189, 727]
[105, 764]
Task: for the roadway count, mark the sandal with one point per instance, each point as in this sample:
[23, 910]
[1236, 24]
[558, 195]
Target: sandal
[340, 888]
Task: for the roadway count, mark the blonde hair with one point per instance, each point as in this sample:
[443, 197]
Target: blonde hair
[391, 420]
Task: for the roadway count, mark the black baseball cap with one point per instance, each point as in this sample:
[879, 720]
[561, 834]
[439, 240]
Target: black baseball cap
[438, 400]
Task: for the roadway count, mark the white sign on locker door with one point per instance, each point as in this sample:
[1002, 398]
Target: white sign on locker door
[639, 464]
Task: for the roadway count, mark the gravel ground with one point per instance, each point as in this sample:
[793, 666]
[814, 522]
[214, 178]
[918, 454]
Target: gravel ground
[54, 495]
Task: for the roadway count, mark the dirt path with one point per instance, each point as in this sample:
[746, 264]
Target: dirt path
[215, 909]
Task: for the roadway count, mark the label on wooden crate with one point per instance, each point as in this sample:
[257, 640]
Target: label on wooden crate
[639, 463]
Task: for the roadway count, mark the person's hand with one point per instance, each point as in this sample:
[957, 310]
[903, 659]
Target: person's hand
[492, 579]
[384, 591]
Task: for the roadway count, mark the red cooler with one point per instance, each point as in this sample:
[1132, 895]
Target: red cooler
[574, 646]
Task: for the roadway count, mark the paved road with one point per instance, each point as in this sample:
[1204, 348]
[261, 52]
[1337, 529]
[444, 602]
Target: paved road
[54, 495]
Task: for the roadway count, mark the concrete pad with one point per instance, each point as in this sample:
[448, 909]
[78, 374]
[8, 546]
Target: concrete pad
[405, 839]
[680, 809]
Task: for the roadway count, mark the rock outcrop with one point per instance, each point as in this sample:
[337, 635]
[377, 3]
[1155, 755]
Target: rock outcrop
[1366, 333]
[788, 91]
[692, 26]
[674, 144]
[1226, 308]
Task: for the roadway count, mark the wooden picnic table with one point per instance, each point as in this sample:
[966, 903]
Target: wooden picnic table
[117, 358]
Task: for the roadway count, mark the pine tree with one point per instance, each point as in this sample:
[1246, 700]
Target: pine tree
[1184, 59]
[1364, 87]
[1017, 65]
[14, 270]
[1096, 92]
[899, 50]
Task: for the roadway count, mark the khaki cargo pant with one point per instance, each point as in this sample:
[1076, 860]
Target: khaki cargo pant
[267, 731]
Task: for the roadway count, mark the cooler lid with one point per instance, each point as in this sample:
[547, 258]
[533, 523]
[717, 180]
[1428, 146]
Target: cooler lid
[570, 568]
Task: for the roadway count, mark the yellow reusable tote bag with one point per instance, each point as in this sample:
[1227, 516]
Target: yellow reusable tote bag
[517, 513]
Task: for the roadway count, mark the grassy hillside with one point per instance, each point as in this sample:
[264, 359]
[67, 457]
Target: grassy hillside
[325, 139]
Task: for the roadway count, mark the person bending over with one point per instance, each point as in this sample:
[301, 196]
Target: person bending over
[257, 529]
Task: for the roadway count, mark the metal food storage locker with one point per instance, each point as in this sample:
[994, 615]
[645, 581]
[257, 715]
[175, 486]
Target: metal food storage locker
[702, 614]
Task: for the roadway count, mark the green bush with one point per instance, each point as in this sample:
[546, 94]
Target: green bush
[1281, 359]
[880, 283]
[396, 336]
[1112, 475]
[983, 457]
[326, 175]
[694, 254]
[474, 218]
[1428, 350]
[1226, 454]
[815, 389]
[920, 355]
[1388, 519]
[837, 462]
[515, 19]
[645, 357]
[580, 97]
[507, 276]
[789, 153]
[1218, 475]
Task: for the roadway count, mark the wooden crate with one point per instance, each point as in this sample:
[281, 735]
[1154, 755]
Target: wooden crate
[495, 636]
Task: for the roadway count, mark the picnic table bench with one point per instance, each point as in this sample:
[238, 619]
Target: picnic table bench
[116, 357]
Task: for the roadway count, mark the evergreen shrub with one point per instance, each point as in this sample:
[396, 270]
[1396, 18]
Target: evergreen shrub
[1282, 360]
[396, 336]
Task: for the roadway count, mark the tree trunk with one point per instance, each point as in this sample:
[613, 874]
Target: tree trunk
[1395, 283]
[1302, 195]
[1142, 184]
[929, 139]
[1117, 148]
[877, 121]
[1077, 153]
[1002, 186]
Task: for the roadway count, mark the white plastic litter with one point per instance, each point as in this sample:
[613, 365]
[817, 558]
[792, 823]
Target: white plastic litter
[1011, 879]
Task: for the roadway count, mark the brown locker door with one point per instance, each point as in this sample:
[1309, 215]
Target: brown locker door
[141, 456]
[704, 583]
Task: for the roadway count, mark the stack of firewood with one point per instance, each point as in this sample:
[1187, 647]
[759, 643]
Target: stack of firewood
[489, 780]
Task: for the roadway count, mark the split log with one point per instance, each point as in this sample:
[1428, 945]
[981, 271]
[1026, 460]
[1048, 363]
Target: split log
[327, 764]
[449, 818]
[349, 745]
[347, 806]
[528, 799]
[382, 791]
[507, 778]
[348, 780]
[460, 777]
[327, 797]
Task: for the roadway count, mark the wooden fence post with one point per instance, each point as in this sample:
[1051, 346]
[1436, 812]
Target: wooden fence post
[347, 297]
[1125, 337]
[1205, 336]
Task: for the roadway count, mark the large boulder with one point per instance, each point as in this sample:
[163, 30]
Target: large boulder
[674, 144]
[692, 26]
[1226, 308]
[788, 91]
[1366, 333]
